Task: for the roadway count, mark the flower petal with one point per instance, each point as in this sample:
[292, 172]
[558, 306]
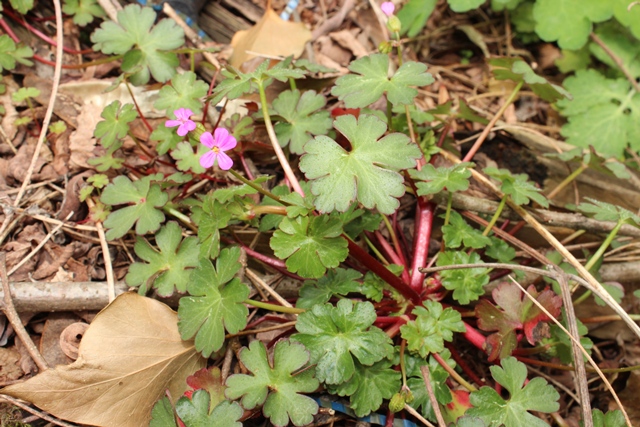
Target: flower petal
[224, 161]
[388, 8]
[224, 139]
[207, 159]
[172, 123]
[206, 139]
[183, 113]
[182, 130]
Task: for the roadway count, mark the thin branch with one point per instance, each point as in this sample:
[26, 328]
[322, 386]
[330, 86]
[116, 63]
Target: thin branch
[584, 352]
[617, 60]
[106, 255]
[259, 282]
[37, 248]
[35, 412]
[52, 100]
[580, 375]
[432, 397]
[589, 281]
[14, 318]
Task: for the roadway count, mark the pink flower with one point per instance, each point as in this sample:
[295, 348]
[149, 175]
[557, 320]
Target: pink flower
[219, 142]
[388, 8]
[183, 120]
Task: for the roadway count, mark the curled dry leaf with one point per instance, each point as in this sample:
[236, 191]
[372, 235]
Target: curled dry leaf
[71, 337]
[129, 356]
[271, 36]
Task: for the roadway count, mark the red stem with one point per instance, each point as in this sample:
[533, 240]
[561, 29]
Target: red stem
[424, 220]
[393, 255]
[43, 36]
[474, 337]
[135, 103]
[372, 264]
[463, 365]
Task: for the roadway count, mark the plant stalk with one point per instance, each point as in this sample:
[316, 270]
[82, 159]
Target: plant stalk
[485, 133]
[424, 222]
[372, 264]
[274, 307]
[275, 144]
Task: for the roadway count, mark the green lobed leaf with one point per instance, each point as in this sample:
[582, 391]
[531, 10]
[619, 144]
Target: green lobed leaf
[623, 45]
[371, 81]
[167, 268]
[338, 282]
[432, 180]
[537, 395]
[338, 336]
[603, 211]
[278, 385]
[563, 348]
[432, 326]
[517, 70]
[24, 93]
[460, 6]
[500, 250]
[195, 411]
[187, 159]
[167, 139]
[215, 304]
[517, 187]
[162, 414]
[184, 92]
[603, 113]
[369, 386]
[22, 6]
[209, 379]
[213, 218]
[414, 14]
[10, 53]
[627, 15]
[83, 11]
[613, 418]
[458, 231]
[438, 377]
[144, 46]
[300, 118]
[143, 198]
[310, 244]
[467, 284]
[368, 173]
[115, 124]
[569, 22]
[236, 83]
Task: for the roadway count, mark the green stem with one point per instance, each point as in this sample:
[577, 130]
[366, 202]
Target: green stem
[274, 307]
[258, 188]
[597, 255]
[376, 251]
[274, 141]
[495, 217]
[447, 214]
[567, 181]
[389, 123]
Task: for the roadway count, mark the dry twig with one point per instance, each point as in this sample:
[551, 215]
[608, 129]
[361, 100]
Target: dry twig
[14, 318]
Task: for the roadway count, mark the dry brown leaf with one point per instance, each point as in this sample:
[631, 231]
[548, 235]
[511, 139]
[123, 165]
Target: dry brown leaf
[271, 36]
[9, 365]
[129, 355]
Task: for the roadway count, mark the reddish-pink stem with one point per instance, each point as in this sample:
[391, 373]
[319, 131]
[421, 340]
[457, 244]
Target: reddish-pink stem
[375, 267]
[463, 365]
[392, 255]
[424, 221]
[474, 337]
[44, 36]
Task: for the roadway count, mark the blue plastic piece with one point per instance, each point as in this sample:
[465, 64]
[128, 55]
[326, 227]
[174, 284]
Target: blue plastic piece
[288, 10]
[373, 418]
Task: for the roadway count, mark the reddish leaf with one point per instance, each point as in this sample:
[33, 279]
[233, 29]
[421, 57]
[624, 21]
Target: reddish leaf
[209, 380]
[514, 312]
